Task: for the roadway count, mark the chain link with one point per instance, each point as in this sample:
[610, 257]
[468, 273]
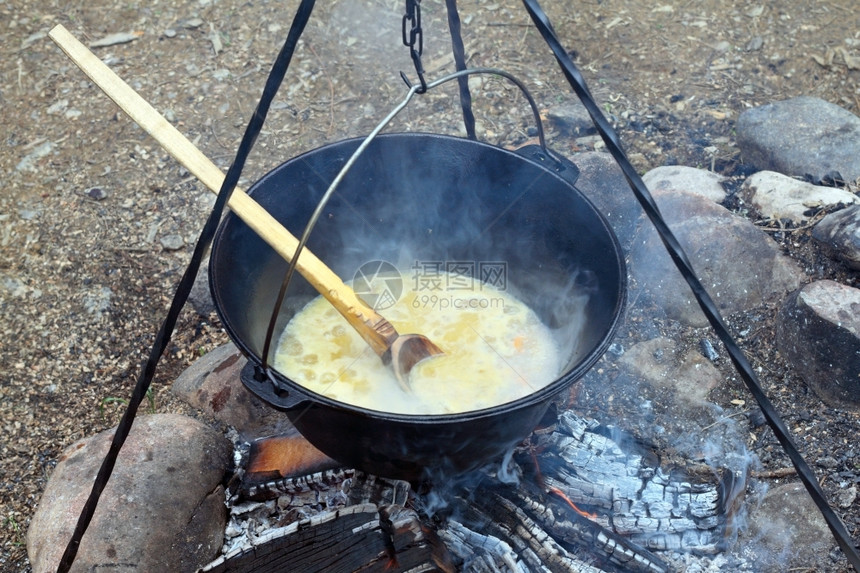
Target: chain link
[413, 38]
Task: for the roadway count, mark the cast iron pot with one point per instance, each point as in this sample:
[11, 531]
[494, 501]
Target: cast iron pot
[428, 199]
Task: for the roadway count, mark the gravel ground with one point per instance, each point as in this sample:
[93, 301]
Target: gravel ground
[98, 222]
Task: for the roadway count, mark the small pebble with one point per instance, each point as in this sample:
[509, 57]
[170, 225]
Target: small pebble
[828, 462]
[708, 350]
[172, 242]
[58, 106]
[96, 193]
[616, 348]
[846, 497]
[170, 33]
[755, 44]
[756, 418]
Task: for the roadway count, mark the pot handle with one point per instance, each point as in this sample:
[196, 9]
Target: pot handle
[564, 167]
[262, 384]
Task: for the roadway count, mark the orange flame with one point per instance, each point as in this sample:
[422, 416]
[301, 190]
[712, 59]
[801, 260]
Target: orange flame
[563, 496]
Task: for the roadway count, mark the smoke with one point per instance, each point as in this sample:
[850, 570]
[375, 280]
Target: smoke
[443, 491]
[426, 201]
[441, 495]
[563, 305]
[509, 472]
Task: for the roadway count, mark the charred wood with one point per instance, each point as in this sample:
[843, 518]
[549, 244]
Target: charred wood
[274, 488]
[519, 539]
[366, 488]
[573, 530]
[343, 540]
[633, 499]
[477, 552]
[586, 500]
[355, 538]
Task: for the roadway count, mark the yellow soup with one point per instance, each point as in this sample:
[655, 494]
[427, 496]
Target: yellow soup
[496, 350]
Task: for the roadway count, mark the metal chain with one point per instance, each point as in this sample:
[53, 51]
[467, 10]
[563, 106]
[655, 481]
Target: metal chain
[414, 40]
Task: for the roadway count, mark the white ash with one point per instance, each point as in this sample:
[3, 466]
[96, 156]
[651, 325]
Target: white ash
[250, 521]
[692, 547]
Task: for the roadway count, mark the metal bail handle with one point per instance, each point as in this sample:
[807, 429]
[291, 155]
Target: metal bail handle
[560, 166]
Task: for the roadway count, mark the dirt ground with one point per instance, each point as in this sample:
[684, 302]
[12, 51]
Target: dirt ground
[98, 221]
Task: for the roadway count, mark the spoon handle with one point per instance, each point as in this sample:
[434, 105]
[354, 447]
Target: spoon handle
[373, 328]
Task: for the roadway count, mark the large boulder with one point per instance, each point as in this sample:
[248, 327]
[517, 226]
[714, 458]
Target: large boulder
[786, 532]
[212, 385]
[818, 331]
[687, 180]
[603, 182]
[839, 234]
[777, 196]
[687, 377]
[801, 136]
[737, 263]
[162, 510]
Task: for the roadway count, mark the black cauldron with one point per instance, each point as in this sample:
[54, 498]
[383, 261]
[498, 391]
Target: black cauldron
[425, 197]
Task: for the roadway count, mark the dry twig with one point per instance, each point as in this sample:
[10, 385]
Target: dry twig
[774, 474]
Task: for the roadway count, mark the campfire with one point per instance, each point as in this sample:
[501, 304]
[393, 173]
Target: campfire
[575, 496]
[569, 499]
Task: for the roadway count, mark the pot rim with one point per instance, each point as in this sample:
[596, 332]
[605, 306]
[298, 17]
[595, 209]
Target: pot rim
[299, 397]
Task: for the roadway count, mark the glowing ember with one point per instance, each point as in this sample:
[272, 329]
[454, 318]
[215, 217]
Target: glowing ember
[562, 495]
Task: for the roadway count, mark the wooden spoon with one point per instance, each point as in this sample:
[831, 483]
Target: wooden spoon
[403, 352]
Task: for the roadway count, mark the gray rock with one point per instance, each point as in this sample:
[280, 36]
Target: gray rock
[172, 242]
[755, 44]
[212, 385]
[661, 392]
[801, 136]
[162, 510]
[786, 532]
[686, 179]
[839, 234]
[601, 180]
[96, 193]
[97, 300]
[30, 162]
[818, 331]
[688, 377]
[777, 196]
[737, 263]
[29, 214]
[200, 297]
[571, 118]
[846, 497]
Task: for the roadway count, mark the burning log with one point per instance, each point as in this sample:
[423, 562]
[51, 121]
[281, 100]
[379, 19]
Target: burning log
[581, 503]
[358, 537]
[336, 520]
[640, 502]
[531, 538]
